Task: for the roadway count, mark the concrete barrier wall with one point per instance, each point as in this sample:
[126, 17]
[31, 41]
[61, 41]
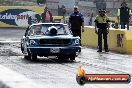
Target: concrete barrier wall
[118, 40]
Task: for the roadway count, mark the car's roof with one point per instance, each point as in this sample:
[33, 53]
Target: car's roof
[48, 23]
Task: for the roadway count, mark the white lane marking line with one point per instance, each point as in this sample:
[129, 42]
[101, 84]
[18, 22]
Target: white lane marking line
[10, 41]
[16, 80]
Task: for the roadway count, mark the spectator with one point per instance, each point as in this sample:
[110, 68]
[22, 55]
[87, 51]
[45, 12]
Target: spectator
[35, 18]
[62, 10]
[40, 2]
[100, 4]
[46, 16]
[124, 15]
[91, 19]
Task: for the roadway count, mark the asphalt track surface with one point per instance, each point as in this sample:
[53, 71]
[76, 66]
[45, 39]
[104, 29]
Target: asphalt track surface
[51, 73]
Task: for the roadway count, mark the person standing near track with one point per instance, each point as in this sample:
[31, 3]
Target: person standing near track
[124, 15]
[47, 16]
[34, 18]
[76, 22]
[101, 23]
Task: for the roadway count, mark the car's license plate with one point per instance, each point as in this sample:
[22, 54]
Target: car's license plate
[54, 50]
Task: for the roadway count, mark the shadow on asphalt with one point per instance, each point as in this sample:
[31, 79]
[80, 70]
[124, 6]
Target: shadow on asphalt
[48, 61]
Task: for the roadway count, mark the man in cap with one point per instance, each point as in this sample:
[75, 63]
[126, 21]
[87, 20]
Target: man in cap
[101, 23]
[76, 22]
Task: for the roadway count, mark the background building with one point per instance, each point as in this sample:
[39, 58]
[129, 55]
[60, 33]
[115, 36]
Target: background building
[111, 5]
[85, 6]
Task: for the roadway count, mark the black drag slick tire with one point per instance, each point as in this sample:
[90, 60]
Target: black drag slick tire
[33, 57]
[28, 57]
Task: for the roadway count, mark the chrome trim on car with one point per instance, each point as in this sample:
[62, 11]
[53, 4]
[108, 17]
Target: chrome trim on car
[57, 47]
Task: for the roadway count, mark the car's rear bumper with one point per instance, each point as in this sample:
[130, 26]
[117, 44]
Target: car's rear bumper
[46, 51]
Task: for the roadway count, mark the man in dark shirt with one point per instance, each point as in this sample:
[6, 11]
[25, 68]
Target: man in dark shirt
[124, 15]
[76, 21]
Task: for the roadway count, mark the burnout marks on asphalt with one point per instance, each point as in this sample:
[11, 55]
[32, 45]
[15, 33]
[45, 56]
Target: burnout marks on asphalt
[10, 49]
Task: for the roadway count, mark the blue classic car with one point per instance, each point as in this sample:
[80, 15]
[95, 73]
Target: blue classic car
[50, 39]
